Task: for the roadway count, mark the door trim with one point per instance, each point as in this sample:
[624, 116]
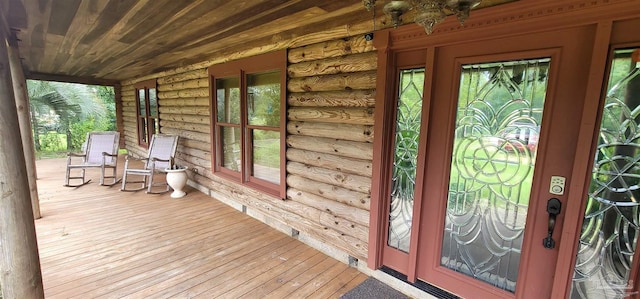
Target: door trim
[585, 151]
[522, 17]
[610, 35]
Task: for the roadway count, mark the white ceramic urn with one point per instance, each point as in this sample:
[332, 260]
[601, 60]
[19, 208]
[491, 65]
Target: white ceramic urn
[177, 179]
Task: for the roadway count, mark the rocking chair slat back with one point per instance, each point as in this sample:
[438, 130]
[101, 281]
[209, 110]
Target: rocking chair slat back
[163, 148]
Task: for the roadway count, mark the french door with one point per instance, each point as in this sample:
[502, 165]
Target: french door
[484, 142]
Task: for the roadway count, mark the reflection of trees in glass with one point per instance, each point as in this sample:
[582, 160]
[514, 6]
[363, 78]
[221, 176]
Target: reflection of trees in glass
[403, 177]
[499, 112]
[263, 115]
[262, 111]
[231, 148]
[228, 100]
[408, 117]
[264, 105]
[501, 94]
[609, 232]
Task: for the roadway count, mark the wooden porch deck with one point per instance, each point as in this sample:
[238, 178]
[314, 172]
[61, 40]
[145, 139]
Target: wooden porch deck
[98, 242]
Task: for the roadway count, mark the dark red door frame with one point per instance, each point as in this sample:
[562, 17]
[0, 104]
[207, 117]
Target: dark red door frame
[523, 17]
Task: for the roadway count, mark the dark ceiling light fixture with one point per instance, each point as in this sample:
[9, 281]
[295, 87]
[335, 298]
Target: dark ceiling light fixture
[429, 12]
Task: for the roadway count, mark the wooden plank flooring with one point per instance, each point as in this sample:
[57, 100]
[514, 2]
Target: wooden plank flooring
[98, 242]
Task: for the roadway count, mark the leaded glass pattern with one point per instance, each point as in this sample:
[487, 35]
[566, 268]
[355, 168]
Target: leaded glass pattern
[403, 181]
[610, 228]
[496, 135]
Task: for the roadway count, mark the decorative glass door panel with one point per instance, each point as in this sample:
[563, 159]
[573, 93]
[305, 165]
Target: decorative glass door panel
[467, 199]
[407, 137]
[497, 130]
[609, 235]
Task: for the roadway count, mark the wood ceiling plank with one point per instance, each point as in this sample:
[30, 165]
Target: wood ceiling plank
[266, 11]
[108, 42]
[108, 52]
[129, 38]
[32, 37]
[87, 17]
[331, 6]
[251, 22]
[265, 27]
[47, 61]
[187, 18]
[224, 18]
[141, 24]
[36, 46]
[322, 26]
[109, 17]
[284, 18]
[228, 14]
[15, 13]
[62, 15]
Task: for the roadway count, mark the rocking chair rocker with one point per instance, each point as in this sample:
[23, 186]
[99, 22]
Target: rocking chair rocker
[100, 151]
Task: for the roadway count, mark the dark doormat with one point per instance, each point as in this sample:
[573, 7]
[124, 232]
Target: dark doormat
[372, 288]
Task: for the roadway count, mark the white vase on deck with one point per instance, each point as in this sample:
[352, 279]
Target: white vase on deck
[177, 179]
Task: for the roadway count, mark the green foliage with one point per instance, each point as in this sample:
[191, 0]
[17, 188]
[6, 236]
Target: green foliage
[69, 109]
[267, 148]
[107, 94]
[408, 119]
[79, 132]
[53, 142]
[264, 105]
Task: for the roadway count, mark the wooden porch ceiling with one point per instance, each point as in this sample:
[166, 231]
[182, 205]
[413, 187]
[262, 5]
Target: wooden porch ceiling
[122, 39]
[98, 242]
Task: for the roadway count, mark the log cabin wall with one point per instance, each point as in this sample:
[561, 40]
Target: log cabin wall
[329, 145]
[183, 101]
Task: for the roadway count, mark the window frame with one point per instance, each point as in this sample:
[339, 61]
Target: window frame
[240, 69]
[151, 120]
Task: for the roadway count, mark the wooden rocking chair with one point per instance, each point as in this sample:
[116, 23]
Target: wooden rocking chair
[99, 151]
[162, 150]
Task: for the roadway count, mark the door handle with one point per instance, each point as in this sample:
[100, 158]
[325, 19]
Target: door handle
[553, 208]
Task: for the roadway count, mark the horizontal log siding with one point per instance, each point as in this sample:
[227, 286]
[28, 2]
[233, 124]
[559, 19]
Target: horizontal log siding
[183, 101]
[330, 128]
[130, 122]
[330, 133]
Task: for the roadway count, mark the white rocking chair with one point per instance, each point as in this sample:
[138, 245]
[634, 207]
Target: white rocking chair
[99, 151]
[162, 150]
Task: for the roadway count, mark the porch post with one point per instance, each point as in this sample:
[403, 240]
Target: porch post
[117, 91]
[22, 105]
[19, 261]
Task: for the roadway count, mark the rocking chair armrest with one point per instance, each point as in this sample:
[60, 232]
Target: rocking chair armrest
[76, 155]
[110, 155]
[161, 160]
[127, 157]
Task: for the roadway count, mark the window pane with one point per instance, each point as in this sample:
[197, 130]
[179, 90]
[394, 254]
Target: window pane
[228, 100]
[494, 152]
[142, 102]
[403, 181]
[266, 155]
[156, 125]
[153, 102]
[231, 148]
[609, 237]
[263, 99]
[143, 130]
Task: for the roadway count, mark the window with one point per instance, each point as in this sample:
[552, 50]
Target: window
[147, 111]
[248, 119]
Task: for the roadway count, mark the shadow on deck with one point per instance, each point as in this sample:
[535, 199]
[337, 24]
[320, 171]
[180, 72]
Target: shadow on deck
[98, 242]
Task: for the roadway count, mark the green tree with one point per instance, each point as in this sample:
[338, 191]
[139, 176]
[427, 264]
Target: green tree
[57, 106]
[108, 96]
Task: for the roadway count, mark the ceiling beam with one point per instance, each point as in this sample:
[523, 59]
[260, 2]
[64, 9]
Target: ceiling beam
[71, 79]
